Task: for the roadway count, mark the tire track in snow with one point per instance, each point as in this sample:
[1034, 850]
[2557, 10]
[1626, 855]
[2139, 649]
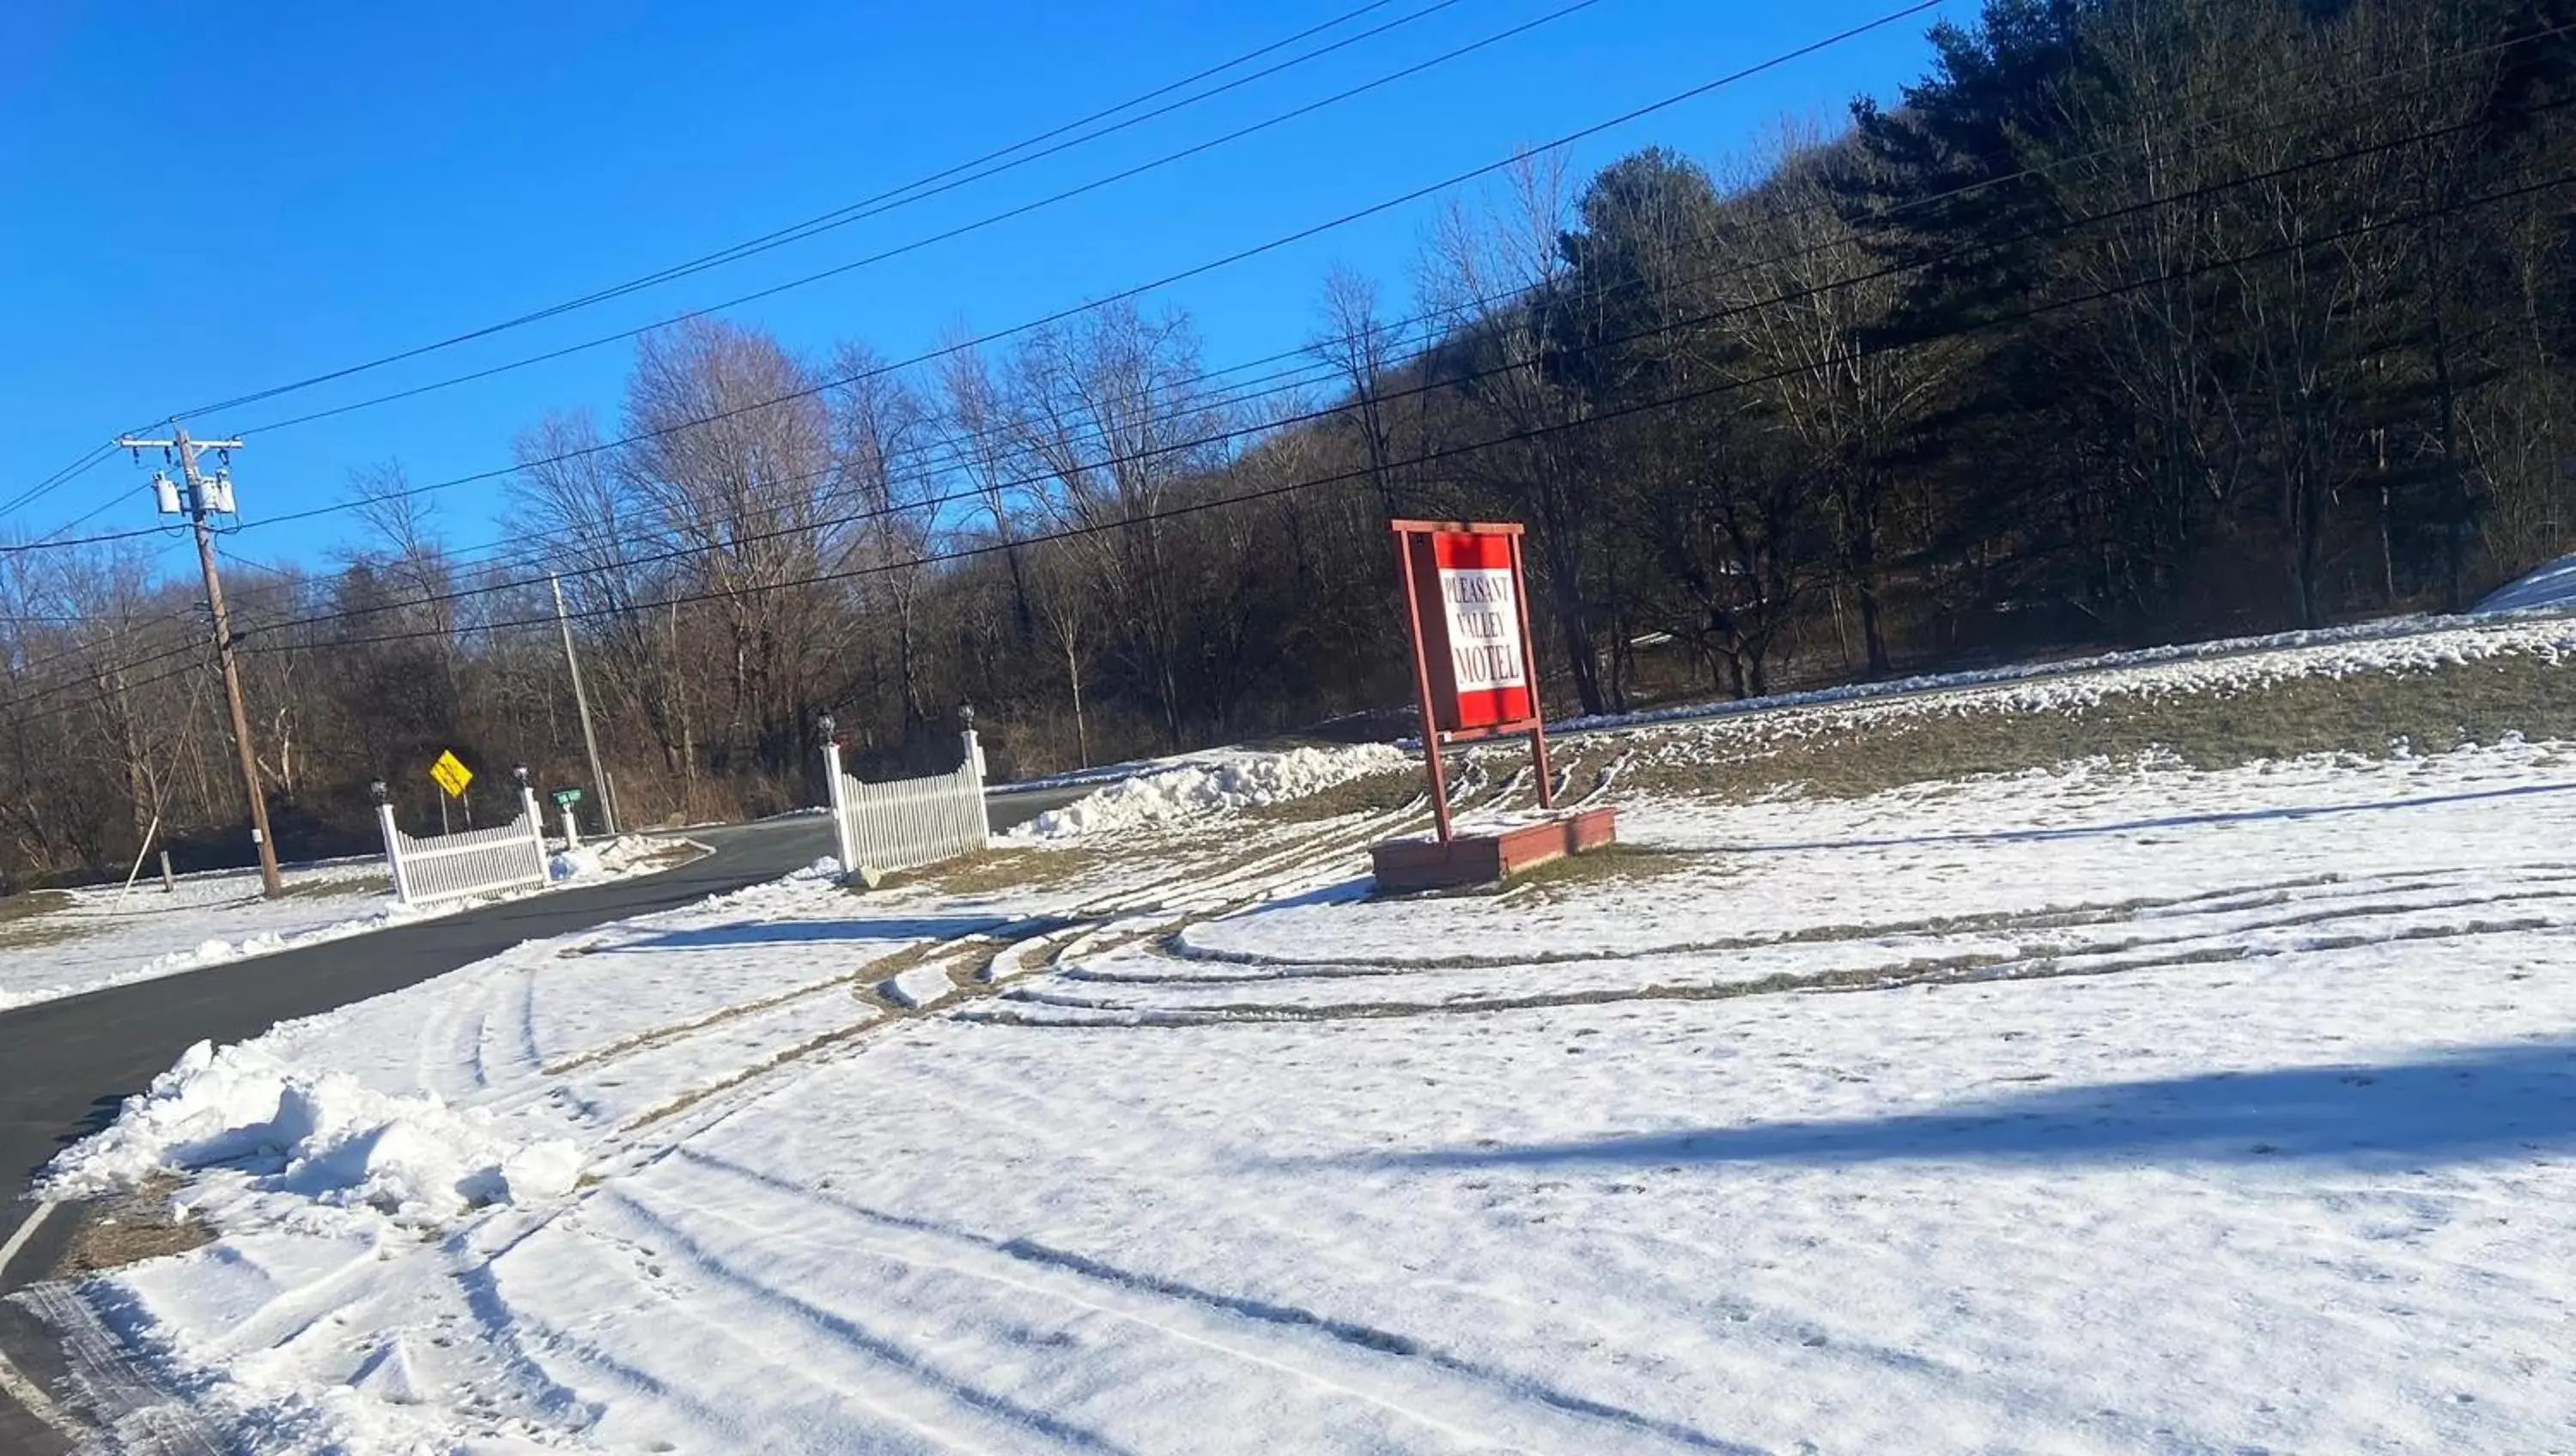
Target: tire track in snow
[1261, 966]
[1299, 850]
[800, 1320]
[1476, 1397]
[1304, 856]
[2221, 946]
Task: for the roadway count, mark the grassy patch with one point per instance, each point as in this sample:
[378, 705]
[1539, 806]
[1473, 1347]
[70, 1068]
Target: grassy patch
[2431, 712]
[32, 904]
[990, 870]
[22, 925]
[1376, 794]
[1611, 864]
[334, 889]
[128, 1229]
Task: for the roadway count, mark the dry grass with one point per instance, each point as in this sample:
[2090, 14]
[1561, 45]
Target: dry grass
[22, 926]
[32, 904]
[2430, 712]
[1375, 794]
[1611, 864]
[128, 1229]
[334, 889]
[990, 870]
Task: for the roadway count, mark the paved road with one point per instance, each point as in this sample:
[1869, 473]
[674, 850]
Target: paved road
[66, 1065]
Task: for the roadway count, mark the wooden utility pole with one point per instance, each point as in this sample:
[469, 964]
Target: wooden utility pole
[581, 700]
[199, 497]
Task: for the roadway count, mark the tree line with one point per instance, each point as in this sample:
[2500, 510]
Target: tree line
[2133, 320]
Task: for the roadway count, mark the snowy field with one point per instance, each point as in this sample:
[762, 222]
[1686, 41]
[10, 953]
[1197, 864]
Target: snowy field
[2551, 588]
[107, 936]
[2530, 618]
[1151, 793]
[2117, 1107]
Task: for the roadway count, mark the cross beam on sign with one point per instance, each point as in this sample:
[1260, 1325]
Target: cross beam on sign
[451, 774]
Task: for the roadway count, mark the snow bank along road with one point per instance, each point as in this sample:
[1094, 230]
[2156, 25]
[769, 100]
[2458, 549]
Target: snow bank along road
[2114, 1107]
[108, 935]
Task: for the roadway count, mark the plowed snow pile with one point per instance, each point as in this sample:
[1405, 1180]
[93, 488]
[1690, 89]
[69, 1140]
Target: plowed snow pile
[319, 1136]
[1212, 784]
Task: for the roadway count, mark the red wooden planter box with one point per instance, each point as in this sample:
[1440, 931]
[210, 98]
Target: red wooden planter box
[1489, 858]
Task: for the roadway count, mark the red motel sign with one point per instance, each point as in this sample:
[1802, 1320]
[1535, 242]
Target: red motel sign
[1480, 677]
[1474, 665]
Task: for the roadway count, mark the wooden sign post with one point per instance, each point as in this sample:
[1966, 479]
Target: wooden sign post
[1475, 674]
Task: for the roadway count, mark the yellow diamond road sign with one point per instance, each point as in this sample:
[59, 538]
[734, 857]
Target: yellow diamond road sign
[452, 774]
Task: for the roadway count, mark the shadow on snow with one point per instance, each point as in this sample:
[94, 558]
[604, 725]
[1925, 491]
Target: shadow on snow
[822, 932]
[2140, 826]
[2479, 1103]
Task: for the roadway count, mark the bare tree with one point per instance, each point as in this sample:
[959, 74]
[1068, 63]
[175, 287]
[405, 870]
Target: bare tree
[1502, 277]
[1112, 410]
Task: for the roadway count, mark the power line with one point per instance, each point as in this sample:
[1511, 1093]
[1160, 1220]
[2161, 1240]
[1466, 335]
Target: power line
[1062, 315]
[1919, 7]
[1241, 255]
[1471, 174]
[60, 478]
[908, 192]
[948, 234]
[1887, 219]
[2173, 199]
[1516, 436]
[1979, 184]
[1024, 209]
[1201, 442]
[985, 489]
[849, 212]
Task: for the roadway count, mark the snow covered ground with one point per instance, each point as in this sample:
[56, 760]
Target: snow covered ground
[2113, 1108]
[2551, 586]
[2397, 644]
[103, 936]
[1146, 793]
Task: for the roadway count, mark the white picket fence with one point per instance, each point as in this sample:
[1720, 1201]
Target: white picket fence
[904, 823]
[472, 862]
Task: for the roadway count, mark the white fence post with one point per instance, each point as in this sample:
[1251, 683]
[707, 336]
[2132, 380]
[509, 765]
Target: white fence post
[536, 831]
[393, 853]
[975, 776]
[835, 790]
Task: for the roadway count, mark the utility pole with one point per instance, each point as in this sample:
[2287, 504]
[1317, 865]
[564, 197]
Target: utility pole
[581, 700]
[203, 496]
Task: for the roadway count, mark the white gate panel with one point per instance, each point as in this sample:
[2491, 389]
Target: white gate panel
[438, 867]
[905, 823]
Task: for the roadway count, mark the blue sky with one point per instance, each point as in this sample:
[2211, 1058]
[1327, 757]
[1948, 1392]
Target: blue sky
[197, 201]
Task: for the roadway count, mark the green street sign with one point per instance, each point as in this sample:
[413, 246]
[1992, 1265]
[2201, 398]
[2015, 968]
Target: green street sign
[566, 798]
